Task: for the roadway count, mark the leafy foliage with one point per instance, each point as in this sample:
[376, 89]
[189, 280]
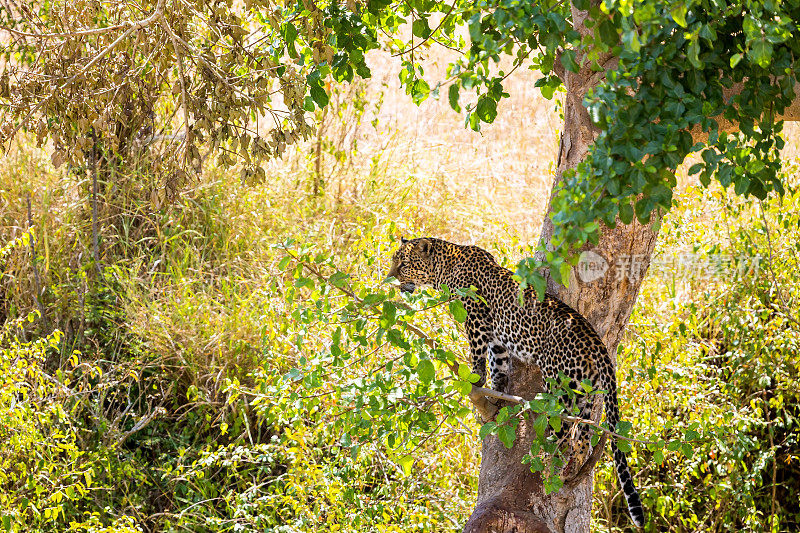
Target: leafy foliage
[676, 63]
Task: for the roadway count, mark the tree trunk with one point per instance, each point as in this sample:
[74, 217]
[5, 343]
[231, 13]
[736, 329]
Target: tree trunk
[510, 497]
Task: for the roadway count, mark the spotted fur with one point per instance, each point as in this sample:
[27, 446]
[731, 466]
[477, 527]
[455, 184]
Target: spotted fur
[549, 334]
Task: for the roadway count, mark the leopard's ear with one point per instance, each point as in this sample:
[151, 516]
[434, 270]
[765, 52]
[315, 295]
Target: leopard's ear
[424, 246]
[403, 240]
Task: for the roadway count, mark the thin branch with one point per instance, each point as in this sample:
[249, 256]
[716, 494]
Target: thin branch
[37, 281]
[489, 393]
[141, 424]
[209, 66]
[605, 430]
[784, 305]
[77, 33]
[430, 35]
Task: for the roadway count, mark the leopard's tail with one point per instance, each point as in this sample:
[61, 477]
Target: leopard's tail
[620, 461]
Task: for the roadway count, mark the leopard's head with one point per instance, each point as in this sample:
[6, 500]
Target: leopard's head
[412, 264]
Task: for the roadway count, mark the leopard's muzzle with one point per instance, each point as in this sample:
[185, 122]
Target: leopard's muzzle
[408, 287]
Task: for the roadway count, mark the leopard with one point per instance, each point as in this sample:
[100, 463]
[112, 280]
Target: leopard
[503, 325]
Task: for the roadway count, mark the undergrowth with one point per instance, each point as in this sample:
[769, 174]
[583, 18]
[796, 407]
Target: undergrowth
[178, 380]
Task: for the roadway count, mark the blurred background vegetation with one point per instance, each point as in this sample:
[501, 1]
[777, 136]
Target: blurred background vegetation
[168, 383]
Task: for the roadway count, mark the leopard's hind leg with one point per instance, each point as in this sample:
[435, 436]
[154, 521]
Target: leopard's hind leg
[499, 366]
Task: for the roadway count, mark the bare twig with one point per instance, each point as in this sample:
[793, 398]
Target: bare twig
[77, 33]
[37, 280]
[212, 68]
[141, 424]
[95, 232]
[430, 35]
[778, 290]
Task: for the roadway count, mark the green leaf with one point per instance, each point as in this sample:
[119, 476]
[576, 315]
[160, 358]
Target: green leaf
[507, 436]
[623, 445]
[452, 95]
[419, 90]
[555, 423]
[694, 53]
[539, 285]
[459, 313]
[487, 429]
[658, 457]
[563, 273]
[338, 279]
[608, 32]
[502, 415]
[694, 169]
[537, 465]
[319, 96]
[568, 60]
[626, 212]
[631, 40]
[284, 263]
[760, 52]
[735, 59]
[552, 484]
[463, 387]
[539, 425]
[289, 34]
[474, 122]
[426, 371]
[486, 109]
[388, 317]
[687, 450]
[624, 427]
[678, 13]
[420, 28]
[406, 462]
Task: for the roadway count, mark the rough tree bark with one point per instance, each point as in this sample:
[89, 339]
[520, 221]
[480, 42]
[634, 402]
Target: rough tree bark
[511, 498]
